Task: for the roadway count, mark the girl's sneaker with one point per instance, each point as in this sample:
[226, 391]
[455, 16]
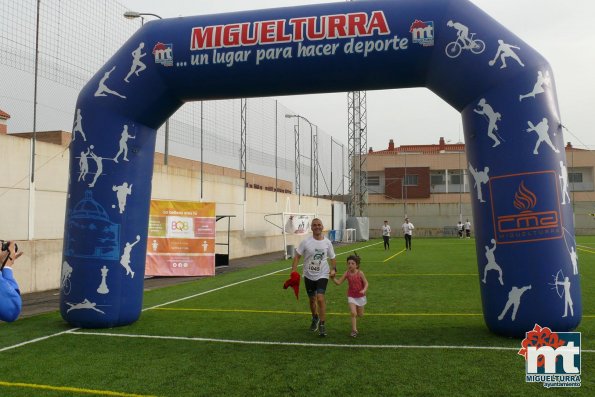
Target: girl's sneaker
[354, 334]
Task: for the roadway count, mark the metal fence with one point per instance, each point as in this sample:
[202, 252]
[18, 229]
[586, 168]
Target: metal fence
[49, 55]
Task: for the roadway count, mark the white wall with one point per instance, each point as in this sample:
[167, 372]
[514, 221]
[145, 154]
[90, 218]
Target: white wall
[39, 269]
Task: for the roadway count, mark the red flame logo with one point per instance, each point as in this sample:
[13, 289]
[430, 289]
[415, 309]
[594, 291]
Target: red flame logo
[524, 199]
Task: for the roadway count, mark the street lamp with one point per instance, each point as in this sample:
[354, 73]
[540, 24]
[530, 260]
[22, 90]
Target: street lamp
[134, 15]
[288, 116]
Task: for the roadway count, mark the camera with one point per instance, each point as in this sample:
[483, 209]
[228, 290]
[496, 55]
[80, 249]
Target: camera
[5, 245]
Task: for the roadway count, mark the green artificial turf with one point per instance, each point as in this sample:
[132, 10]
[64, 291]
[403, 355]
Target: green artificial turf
[242, 334]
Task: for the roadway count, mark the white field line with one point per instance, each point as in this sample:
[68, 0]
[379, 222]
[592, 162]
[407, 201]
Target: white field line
[300, 344]
[37, 339]
[153, 307]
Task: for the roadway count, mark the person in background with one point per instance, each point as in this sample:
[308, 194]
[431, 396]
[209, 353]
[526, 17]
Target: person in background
[386, 235]
[407, 233]
[356, 293]
[460, 228]
[317, 252]
[468, 229]
[10, 295]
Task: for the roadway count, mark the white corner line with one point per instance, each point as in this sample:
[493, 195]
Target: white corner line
[38, 339]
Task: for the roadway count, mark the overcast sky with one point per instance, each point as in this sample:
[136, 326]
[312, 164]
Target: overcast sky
[562, 31]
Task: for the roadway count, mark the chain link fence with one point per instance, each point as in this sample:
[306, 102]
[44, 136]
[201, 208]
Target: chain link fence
[73, 39]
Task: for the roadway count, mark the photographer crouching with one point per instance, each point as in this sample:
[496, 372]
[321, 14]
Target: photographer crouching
[10, 295]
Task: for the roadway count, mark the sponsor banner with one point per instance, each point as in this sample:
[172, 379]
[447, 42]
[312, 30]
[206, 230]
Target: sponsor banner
[298, 223]
[181, 239]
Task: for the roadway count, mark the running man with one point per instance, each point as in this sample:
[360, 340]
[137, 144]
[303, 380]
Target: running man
[467, 227]
[386, 235]
[492, 116]
[137, 65]
[317, 252]
[407, 233]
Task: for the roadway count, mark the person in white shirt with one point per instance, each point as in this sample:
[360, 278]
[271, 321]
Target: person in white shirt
[407, 233]
[317, 252]
[386, 235]
[468, 229]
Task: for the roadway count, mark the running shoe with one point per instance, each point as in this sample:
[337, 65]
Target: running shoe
[322, 330]
[314, 325]
[354, 334]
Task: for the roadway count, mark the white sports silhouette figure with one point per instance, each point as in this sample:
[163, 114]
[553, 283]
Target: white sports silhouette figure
[125, 259]
[124, 144]
[514, 298]
[505, 51]
[122, 193]
[86, 304]
[574, 260]
[493, 117]
[102, 89]
[99, 163]
[542, 134]
[78, 126]
[492, 265]
[137, 65]
[480, 177]
[564, 182]
[567, 298]
[462, 32]
[84, 164]
[542, 79]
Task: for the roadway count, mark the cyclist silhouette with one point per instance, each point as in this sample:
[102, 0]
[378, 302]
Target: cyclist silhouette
[465, 41]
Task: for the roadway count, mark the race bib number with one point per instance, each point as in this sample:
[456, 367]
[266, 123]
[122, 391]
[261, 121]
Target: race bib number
[314, 267]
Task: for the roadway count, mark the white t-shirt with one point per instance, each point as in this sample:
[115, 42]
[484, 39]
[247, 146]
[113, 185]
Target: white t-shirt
[408, 228]
[385, 230]
[316, 254]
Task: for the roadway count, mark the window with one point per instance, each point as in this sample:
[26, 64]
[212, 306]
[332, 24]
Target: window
[410, 180]
[456, 178]
[373, 180]
[436, 179]
[575, 177]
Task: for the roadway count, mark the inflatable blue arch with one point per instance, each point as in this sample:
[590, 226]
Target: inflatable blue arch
[504, 90]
